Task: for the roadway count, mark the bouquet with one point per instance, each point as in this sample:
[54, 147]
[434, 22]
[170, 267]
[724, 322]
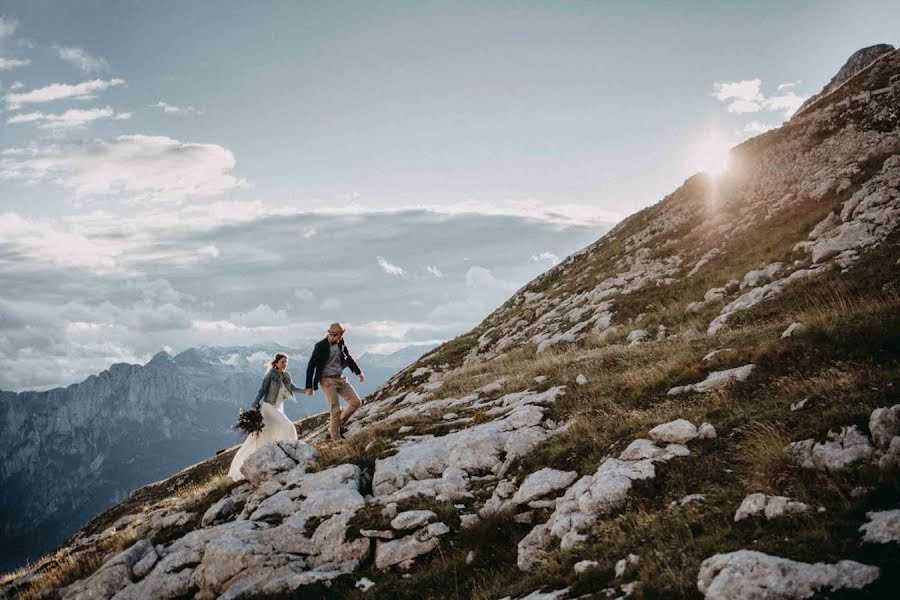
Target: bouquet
[249, 421]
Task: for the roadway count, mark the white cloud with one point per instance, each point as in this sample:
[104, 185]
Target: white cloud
[746, 97]
[7, 64]
[8, 26]
[304, 294]
[785, 103]
[744, 106]
[482, 292]
[133, 167]
[389, 268]
[171, 109]
[330, 304]
[557, 214]
[58, 91]
[16, 85]
[434, 271]
[549, 256]
[70, 119]
[82, 59]
[738, 90]
[785, 86]
[757, 127]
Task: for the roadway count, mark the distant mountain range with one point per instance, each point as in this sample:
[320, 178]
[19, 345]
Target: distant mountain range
[71, 452]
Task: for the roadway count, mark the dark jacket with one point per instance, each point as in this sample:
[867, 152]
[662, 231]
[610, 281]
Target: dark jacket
[271, 386]
[320, 357]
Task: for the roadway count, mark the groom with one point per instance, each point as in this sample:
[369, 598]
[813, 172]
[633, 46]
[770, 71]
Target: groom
[330, 357]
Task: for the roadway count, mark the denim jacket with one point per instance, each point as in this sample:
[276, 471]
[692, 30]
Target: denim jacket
[271, 387]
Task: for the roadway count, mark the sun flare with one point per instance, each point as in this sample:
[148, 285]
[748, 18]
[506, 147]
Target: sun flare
[711, 155]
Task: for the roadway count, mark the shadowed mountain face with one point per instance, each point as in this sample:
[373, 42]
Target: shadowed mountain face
[71, 452]
[703, 402]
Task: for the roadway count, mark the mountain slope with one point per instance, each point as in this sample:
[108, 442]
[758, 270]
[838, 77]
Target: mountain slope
[71, 452]
[650, 417]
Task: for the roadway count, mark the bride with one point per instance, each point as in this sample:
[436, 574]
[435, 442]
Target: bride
[276, 387]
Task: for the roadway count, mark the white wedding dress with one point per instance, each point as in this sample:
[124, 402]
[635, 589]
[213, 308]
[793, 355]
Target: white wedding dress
[276, 428]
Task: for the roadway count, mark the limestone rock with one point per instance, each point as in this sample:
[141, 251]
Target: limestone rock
[402, 550]
[678, 431]
[714, 380]
[585, 565]
[751, 575]
[770, 506]
[542, 483]
[413, 519]
[883, 527]
[842, 448]
[793, 329]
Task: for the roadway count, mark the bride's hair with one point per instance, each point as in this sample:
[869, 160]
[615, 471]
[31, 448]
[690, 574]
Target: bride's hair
[275, 360]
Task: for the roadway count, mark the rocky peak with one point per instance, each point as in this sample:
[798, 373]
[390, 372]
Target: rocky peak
[857, 62]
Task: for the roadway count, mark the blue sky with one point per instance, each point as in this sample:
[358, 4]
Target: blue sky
[147, 146]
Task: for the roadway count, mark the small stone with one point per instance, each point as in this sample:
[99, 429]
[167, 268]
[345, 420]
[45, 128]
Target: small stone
[412, 519]
[795, 406]
[469, 521]
[405, 429]
[581, 379]
[470, 557]
[364, 584]
[706, 431]
[678, 432]
[585, 565]
[383, 534]
[437, 529]
[540, 379]
[389, 511]
[525, 518]
[793, 329]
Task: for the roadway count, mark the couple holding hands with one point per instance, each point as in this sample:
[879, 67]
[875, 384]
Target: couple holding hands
[329, 358]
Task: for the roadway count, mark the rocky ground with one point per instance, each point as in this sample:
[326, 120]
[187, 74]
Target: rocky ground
[702, 404]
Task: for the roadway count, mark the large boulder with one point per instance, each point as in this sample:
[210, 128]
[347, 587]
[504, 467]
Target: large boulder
[751, 575]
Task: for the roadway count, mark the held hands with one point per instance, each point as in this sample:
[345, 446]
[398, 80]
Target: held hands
[308, 391]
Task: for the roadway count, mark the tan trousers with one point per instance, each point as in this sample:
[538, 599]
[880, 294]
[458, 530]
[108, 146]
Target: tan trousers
[333, 387]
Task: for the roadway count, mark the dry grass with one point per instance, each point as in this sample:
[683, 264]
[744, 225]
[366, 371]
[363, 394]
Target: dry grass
[64, 567]
[764, 450]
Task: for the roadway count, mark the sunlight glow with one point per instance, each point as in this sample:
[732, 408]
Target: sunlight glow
[711, 155]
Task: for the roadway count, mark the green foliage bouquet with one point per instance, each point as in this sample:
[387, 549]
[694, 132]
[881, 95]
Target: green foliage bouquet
[249, 421]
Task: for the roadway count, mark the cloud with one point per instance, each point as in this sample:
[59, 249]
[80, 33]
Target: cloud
[785, 86]
[482, 292]
[746, 97]
[81, 292]
[16, 85]
[171, 109]
[304, 294]
[70, 119]
[7, 64]
[131, 167]
[548, 256]
[330, 304]
[434, 271]
[747, 90]
[82, 59]
[756, 127]
[59, 91]
[389, 268]
[786, 103]
[8, 26]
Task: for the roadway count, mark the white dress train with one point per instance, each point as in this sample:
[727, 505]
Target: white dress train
[277, 428]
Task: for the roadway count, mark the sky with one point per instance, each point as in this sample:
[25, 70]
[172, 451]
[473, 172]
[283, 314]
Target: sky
[217, 173]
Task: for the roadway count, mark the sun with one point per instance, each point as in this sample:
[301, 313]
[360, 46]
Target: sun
[711, 155]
